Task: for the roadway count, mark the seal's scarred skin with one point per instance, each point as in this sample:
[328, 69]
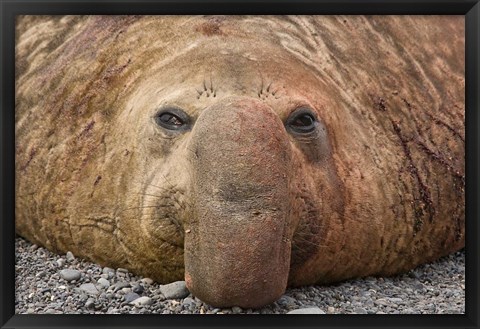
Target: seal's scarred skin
[242, 154]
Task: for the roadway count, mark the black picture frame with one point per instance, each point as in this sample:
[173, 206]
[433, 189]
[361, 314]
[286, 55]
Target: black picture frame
[9, 9]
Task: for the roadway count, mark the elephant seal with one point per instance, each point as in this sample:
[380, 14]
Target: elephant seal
[243, 154]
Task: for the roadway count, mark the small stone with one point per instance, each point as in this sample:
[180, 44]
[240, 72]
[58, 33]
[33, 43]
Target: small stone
[360, 310]
[107, 270]
[147, 281]
[60, 262]
[90, 303]
[382, 301]
[189, 301]
[175, 290]
[308, 310]
[130, 297]
[141, 301]
[300, 295]
[286, 301]
[70, 275]
[89, 288]
[120, 285]
[331, 310]
[138, 288]
[396, 300]
[44, 290]
[104, 283]
[419, 286]
[69, 256]
[122, 270]
[236, 309]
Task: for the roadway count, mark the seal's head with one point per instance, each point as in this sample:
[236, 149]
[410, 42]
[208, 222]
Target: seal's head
[239, 140]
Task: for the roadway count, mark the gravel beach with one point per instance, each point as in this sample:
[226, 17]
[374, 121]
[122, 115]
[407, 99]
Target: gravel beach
[47, 283]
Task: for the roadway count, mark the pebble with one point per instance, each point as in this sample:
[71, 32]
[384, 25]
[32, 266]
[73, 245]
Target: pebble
[69, 256]
[121, 284]
[142, 301]
[175, 290]
[70, 275]
[89, 288]
[286, 300]
[188, 301]
[237, 310]
[90, 303]
[60, 262]
[309, 310]
[360, 310]
[138, 288]
[130, 297]
[147, 281]
[104, 283]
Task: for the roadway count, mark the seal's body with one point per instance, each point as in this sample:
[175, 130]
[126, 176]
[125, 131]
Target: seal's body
[243, 154]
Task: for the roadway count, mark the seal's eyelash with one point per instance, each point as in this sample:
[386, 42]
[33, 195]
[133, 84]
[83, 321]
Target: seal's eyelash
[267, 92]
[208, 89]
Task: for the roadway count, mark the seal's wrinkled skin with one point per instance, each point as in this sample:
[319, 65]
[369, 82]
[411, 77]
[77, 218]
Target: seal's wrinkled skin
[242, 154]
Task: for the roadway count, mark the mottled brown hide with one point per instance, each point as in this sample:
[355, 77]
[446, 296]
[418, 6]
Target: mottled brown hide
[301, 150]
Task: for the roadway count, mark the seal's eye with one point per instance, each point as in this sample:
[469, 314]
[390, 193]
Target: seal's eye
[172, 119]
[302, 121]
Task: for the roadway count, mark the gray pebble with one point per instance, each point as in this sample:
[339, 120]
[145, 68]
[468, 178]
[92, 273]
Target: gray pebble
[70, 275]
[300, 295]
[175, 290]
[130, 297]
[126, 290]
[60, 262]
[382, 301]
[309, 310]
[138, 288]
[90, 303]
[104, 283]
[69, 256]
[142, 301]
[360, 310]
[396, 300]
[189, 301]
[147, 281]
[236, 309]
[89, 288]
[286, 301]
[121, 284]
